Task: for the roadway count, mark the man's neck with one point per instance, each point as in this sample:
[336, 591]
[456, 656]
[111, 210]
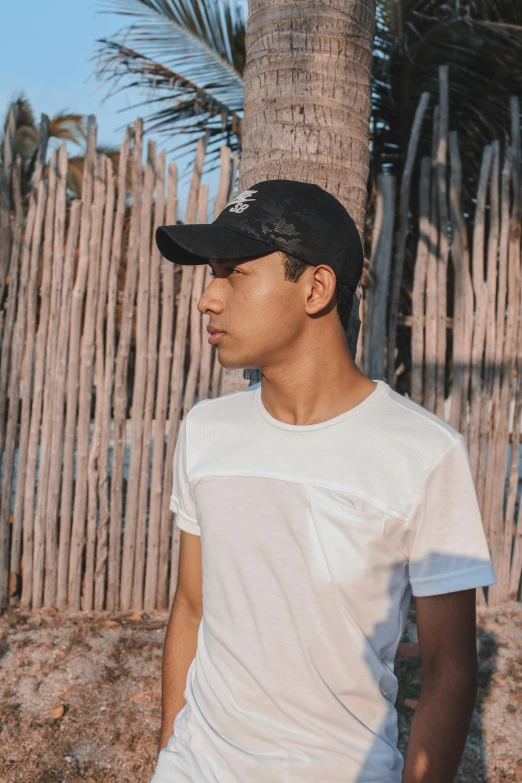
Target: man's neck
[315, 383]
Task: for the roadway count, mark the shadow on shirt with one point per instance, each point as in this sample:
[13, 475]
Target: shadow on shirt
[408, 671]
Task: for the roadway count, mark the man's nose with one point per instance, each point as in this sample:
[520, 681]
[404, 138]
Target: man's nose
[210, 301]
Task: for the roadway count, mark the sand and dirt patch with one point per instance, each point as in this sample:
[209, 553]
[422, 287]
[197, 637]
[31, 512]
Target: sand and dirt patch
[81, 693]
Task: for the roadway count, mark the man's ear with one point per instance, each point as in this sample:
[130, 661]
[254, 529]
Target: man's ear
[321, 292]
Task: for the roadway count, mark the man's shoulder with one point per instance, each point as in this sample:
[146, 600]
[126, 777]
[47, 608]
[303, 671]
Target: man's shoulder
[412, 440]
[228, 406]
[419, 422]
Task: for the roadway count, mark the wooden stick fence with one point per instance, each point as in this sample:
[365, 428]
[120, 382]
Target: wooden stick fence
[103, 350]
[485, 364]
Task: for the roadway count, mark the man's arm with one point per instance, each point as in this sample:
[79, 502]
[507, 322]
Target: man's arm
[182, 630]
[447, 637]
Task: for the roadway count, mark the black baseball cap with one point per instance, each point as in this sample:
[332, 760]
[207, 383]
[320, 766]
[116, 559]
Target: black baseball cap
[299, 218]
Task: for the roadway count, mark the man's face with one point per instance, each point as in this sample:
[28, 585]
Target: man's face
[259, 314]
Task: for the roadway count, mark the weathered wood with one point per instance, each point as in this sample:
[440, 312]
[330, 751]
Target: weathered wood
[508, 381]
[509, 572]
[93, 468]
[501, 529]
[158, 542]
[102, 556]
[430, 333]
[404, 207]
[6, 174]
[27, 321]
[38, 393]
[208, 353]
[197, 332]
[139, 387]
[120, 385]
[60, 376]
[479, 328]
[23, 353]
[150, 393]
[78, 551]
[490, 319]
[512, 585]
[503, 262]
[463, 292]
[120, 381]
[379, 276]
[229, 380]
[419, 284]
[56, 263]
[177, 379]
[442, 263]
[10, 561]
[73, 371]
[490, 420]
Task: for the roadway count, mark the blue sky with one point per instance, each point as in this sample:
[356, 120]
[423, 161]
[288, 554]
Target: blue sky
[45, 51]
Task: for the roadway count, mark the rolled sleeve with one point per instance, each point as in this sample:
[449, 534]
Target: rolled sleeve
[448, 549]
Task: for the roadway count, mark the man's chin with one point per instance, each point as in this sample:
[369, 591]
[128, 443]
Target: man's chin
[234, 362]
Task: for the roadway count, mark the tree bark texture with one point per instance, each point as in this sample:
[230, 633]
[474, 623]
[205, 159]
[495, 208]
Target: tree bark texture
[308, 105]
[307, 96]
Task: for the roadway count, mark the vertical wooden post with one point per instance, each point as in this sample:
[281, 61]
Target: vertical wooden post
[10, 566]
[404, 206]
[81, 560]
[120, 381]
[503, 262]
[418, 299]
[36, 410]
[48, 423]
[158, 548]
[196, 320]
[23, 502]
[110, 341]
[177, 377]
[6, 173]
[93, 468]
[138, 390]
[58, 415]
[208, 353]
[154, 256]
[442, 261]
[430, 316]
[463, 297]
[73, 368]
[490, 322]
[479, 327]
[501, 527]
[380, 263]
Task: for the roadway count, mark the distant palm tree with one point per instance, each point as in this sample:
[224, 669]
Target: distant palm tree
[64, 126]
[189, 56]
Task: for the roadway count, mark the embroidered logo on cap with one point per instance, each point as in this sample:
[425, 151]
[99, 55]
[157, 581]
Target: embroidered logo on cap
[240, 201]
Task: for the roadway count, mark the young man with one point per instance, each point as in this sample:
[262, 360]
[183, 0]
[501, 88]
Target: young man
[311, 505]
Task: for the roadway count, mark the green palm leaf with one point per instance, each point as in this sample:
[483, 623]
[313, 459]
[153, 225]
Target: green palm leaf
[188, 55]
[480, 40]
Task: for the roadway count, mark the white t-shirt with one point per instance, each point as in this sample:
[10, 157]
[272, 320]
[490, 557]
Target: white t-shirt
[313, 539]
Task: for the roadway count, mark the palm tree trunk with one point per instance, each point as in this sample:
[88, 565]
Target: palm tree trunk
[307, 100]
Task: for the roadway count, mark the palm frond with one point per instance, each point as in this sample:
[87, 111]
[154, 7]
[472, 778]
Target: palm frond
[68, 127]
[188, 54]
[480, 40]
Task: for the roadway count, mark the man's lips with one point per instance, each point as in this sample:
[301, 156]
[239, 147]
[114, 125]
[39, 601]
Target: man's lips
[215, 334]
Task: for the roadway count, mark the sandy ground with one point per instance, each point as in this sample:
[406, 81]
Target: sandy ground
[80, 696]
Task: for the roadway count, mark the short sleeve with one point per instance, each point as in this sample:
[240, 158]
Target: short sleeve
[181, 501]
[448, 550]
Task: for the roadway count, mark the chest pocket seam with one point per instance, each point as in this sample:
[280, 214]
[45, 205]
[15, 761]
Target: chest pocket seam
[359, 518]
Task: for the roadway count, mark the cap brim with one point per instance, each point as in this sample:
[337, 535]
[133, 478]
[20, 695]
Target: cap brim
[195, 244]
